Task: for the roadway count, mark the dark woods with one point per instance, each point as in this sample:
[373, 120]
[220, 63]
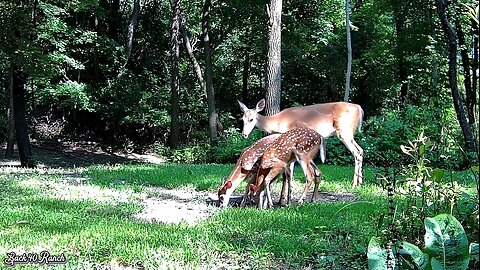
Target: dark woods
[133, 74]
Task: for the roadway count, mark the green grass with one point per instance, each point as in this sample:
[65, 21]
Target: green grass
[95, 233]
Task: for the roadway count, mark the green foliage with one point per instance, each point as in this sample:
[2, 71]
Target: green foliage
[446, 247]
[200, 153]
[231, 144]
[382, 135]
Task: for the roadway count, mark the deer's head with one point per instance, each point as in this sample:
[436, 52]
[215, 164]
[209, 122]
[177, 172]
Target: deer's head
[250, 117]
[223, 198]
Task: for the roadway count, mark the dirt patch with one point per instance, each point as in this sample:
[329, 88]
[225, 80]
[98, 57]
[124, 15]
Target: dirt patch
[175, 206]
[335, 197]
[190, 206]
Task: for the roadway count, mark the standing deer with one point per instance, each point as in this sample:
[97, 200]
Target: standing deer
[247, 165]
[299, 144]
[342, 118]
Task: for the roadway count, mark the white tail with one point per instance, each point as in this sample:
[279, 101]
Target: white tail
[342, 118]
[300, 144]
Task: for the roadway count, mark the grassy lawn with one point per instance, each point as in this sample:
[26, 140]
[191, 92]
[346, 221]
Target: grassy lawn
[92, 224]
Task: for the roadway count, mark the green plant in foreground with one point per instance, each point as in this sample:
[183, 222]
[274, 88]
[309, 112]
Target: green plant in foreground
[446, 247]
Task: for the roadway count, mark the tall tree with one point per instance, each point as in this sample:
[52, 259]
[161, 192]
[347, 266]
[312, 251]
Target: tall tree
[212, 114]
[274, 58]
[11, 121]
[467, 80]
[349, 49]
[452, 74]
[399, 16]
[175, 80]
[196, 66]
[19, 89]
[131, 30]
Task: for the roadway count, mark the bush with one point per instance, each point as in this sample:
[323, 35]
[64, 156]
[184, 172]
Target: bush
[231, 144]
[383, 134]
[192, 154]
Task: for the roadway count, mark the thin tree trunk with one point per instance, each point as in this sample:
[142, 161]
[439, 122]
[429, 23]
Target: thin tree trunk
[349, 48]
[274, 58]
[20, 118]
[434, 60]
[114, 19]
[11, 120]
[212, 115]
[175, 80]
[469, 92]
[191, 56]
[475, 78]
[402, 63]
[245, 75]
[131, 30]
[452, 75]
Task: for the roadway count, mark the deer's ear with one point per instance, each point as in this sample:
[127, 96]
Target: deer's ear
[228, 184]
[242, 106]
[253, 187]
[260, 105]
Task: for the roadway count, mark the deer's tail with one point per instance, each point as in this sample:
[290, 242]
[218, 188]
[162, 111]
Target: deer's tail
[360, 118]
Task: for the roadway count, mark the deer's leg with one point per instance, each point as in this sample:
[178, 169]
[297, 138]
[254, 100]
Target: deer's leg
[284, 186]
[317, 174]
[360, 162]
[271, 177]
[308, 176]
[290, 176]
[357, 152]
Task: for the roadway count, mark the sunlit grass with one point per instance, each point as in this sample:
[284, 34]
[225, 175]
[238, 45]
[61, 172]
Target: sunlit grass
[95, 232]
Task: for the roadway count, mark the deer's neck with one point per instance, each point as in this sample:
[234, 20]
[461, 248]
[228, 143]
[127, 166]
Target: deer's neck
[268, 124]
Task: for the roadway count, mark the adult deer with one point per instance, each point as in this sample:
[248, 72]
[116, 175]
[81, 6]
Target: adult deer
[246, 166]
[299, 144]
[342, 118]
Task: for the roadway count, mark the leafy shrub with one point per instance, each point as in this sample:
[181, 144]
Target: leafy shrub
[446, 247]
[383, 134]
[192, 154]
[337, 152]
[231, 144]
[423, 191]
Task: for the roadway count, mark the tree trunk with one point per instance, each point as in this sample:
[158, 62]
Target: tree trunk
[114, 20]
[434, 60]
[349, 48]
[245, 75]
[20, 118]
[131, 30]
[191, 56]
[452, 75]
[469, 92]
[274, 58]
[402, 63]
[175, 80]
[212, 115]
[11, 120]
[475, 78]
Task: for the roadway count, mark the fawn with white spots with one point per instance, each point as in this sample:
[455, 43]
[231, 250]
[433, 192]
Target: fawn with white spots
[246, 166]
[301, 145]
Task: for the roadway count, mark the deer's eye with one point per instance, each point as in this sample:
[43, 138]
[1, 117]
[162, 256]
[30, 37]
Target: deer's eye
[250, 120]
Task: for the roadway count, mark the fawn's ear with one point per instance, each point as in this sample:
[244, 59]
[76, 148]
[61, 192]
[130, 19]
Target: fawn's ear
[253, 187]
[228, 184]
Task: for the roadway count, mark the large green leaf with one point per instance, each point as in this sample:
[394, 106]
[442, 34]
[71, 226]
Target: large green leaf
[377, 256]
[446, 243]
[419, 258]
[473, 249]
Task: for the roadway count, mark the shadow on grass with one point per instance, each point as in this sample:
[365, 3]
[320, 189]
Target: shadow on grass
[67, 157]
